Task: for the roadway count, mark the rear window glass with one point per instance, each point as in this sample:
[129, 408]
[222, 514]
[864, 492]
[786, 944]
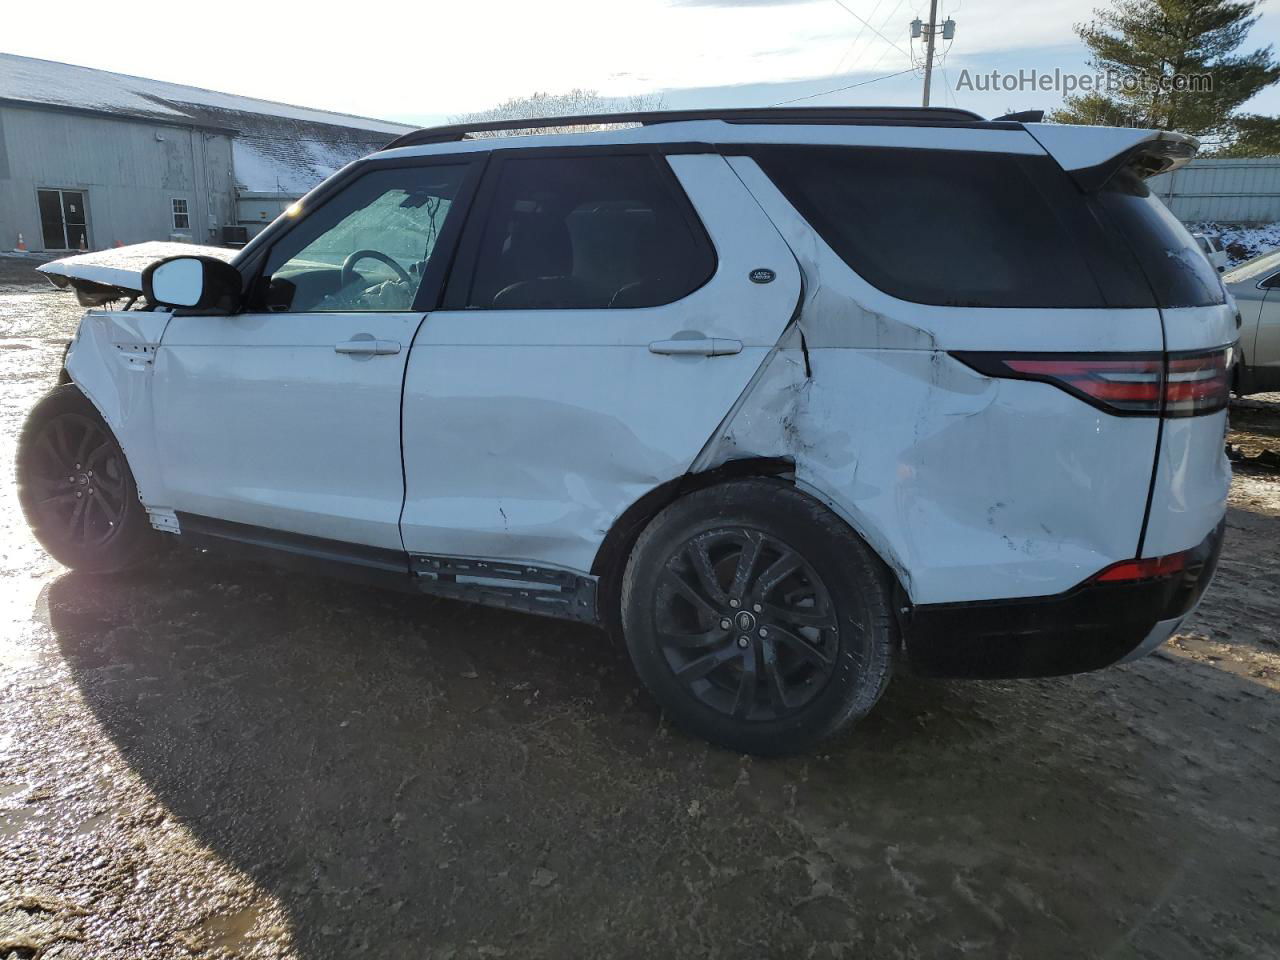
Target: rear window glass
[584, 232]
[1178, 272]
[953, 228]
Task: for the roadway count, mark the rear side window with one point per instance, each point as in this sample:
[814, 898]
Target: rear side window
[952, 228]
[1178, 272]
[588, 233]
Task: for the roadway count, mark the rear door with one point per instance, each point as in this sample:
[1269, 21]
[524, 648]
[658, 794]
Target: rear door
[607, 310]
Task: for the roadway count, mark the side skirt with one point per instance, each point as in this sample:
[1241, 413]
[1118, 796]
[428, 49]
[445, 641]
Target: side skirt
[295, 551]
[494, 583]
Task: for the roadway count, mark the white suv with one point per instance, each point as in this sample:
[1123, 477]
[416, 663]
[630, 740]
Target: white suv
[791, 398]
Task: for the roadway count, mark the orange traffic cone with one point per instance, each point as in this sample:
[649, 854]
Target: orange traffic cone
[118, 243]
[22, 245]
[82, 246]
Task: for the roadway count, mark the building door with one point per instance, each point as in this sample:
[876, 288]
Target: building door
[62, 219]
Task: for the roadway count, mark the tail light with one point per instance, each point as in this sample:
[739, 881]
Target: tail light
[1132, 384]
[1197, 383]
[1149, 568]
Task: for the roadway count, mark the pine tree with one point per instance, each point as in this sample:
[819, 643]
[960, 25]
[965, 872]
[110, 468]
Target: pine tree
[1146, 43]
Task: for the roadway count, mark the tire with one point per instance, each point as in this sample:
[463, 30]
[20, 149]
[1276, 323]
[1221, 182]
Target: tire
[812, 633]
[76, 489]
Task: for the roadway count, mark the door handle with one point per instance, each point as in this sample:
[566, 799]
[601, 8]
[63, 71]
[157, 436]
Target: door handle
[696, 347]
[363, 345]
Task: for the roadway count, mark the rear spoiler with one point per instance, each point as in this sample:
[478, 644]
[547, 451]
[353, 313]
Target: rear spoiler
[1093, 155]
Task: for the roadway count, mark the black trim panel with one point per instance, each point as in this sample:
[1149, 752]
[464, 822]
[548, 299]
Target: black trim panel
[524, 587]
[1088, 627]
[323, 557]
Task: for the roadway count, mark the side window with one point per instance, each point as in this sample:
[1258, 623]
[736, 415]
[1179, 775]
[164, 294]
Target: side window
[181, 220]
[366, 248]
[953, 228]
[588, 232]
[1177, 271]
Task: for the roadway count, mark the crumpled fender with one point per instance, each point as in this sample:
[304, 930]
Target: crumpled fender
[112, 361]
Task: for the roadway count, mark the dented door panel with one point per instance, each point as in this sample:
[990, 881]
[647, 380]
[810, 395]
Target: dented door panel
[112, 361]
[528, 432]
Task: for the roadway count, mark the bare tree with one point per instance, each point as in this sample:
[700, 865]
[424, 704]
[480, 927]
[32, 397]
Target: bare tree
[575, 103]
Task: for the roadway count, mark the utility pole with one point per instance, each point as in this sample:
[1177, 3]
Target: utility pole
[928, 48]
[930, 32]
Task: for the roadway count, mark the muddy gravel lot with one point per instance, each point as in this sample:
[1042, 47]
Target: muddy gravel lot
[215, 760]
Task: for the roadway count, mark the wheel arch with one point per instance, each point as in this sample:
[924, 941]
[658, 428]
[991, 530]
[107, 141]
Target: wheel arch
[611, 556]
[111, 362]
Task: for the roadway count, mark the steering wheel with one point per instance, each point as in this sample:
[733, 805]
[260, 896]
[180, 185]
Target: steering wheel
[349, 265]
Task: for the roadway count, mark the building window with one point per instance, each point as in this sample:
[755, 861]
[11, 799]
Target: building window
[181, 221]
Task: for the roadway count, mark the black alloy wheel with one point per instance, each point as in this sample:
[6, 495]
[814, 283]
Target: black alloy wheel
[746, 625]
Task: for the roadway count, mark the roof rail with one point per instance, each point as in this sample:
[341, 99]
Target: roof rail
[922, 115]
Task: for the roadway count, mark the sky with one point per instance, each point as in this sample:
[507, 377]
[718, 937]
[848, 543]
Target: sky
[424, 61]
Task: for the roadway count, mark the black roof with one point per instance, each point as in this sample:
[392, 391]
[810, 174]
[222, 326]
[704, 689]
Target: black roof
[930, 116]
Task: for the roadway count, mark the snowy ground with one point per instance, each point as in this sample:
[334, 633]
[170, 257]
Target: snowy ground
[1241, 243]
[213, 761]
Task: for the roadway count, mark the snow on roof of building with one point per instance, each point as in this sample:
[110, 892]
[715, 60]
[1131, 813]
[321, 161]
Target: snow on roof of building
[49, 83]
[278, 148]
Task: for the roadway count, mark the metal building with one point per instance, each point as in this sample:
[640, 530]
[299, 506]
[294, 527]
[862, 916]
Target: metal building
[1236, 190]
[91, 159]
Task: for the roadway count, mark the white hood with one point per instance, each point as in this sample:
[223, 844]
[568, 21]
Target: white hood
[121, 267]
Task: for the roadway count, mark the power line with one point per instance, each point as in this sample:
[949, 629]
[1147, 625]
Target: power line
[843, 7]
[863, 83]
[861, 31]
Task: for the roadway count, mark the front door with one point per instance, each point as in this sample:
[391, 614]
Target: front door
[62, 219]
[1265, 352]
[606, 312]
[287, 416]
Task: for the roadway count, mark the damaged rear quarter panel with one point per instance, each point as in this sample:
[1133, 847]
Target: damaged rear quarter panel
[969, 488]
[112, 361]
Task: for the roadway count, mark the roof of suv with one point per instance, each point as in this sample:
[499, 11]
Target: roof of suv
[1090, 153]
[928, 116]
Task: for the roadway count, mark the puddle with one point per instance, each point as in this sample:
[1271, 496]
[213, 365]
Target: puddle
[231, 930]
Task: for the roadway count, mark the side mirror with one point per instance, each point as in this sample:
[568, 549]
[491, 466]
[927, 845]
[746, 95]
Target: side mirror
[201, 283]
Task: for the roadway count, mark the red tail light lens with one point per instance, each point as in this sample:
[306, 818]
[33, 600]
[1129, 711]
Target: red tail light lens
[1197, 383]
[1137, 384]
[1129, 385]
[1147, 569]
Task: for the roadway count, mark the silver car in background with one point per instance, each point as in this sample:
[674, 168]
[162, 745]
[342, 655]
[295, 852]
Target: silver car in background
[1212, 250]
[1256, 286]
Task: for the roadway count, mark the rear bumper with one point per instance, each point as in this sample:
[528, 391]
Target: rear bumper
[1091, 626]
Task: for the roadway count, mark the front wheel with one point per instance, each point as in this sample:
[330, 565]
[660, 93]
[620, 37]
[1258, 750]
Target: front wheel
[76, 489]
[757, 618]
